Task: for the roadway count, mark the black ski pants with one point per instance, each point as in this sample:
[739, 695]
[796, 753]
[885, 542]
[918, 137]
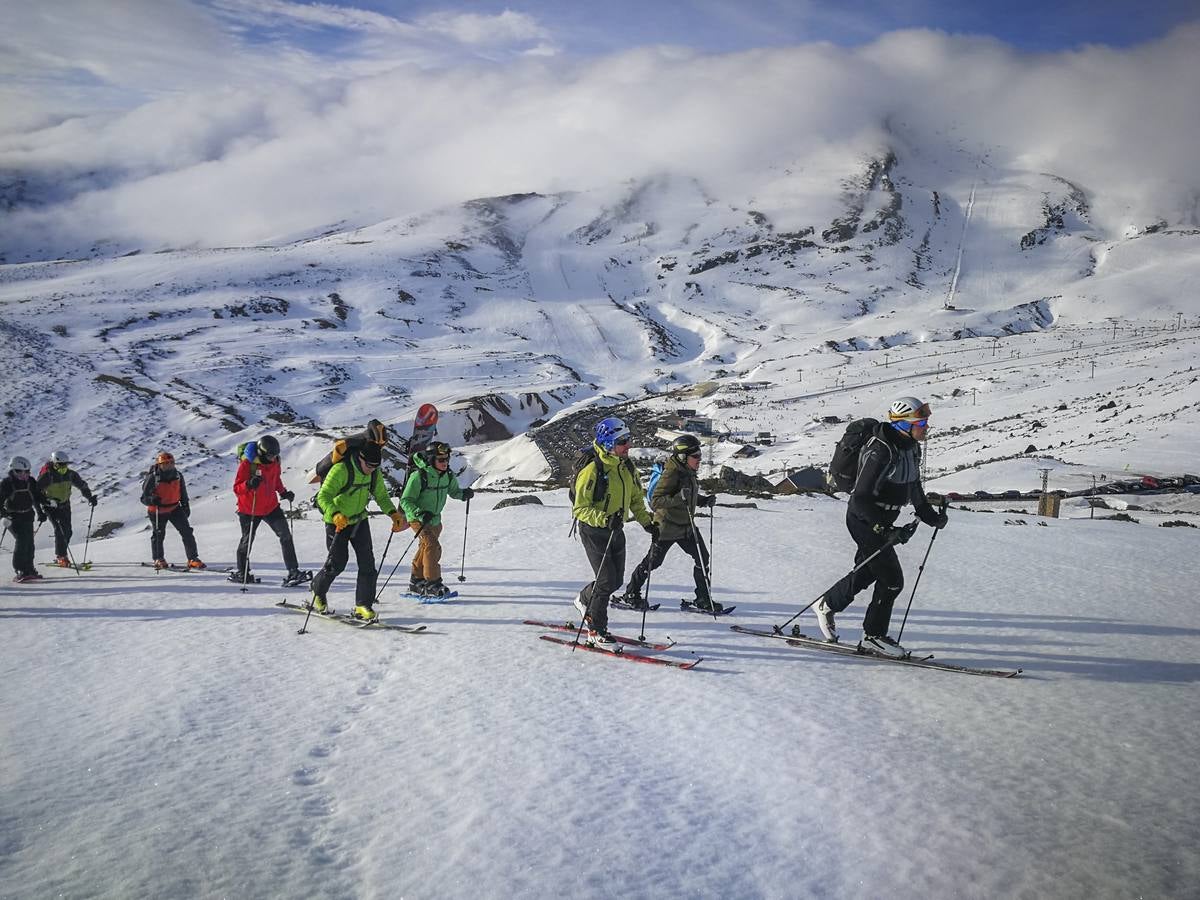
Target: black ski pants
[692, 545]
[60, 518]
[605, 548]
[278, 524]
[22, 532]
[339, 544]
[158, 531]
[884, 571]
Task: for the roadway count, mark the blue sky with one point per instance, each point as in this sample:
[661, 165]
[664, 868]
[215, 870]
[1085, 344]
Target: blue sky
[717, 26]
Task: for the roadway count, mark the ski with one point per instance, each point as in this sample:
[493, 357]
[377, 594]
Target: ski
[632, 657]
[347, 619]
[618, 603]
[689, 606]
[633, 642]
[176, 567]
[924, 662]
[81, 567]
[28, 579]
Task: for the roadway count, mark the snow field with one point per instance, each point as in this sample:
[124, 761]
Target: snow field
[168, 735]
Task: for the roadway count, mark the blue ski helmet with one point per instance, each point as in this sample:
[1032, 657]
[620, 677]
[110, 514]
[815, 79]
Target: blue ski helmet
[609, 431]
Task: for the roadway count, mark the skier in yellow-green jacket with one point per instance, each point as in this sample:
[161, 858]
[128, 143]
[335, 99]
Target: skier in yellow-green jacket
[608, 493]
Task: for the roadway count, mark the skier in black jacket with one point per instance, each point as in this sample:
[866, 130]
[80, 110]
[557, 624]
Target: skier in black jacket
[889, 478]
[20, 500]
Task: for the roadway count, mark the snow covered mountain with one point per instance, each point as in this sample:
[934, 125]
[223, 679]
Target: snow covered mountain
[841, 283]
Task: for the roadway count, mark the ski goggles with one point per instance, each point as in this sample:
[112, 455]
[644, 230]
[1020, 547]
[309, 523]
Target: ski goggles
[621, 441]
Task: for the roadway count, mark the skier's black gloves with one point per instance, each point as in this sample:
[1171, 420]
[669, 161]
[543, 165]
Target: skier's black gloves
[41, 515]
[289, 496]
[892, 534]
[427, 517]
[652, 530]
[616, 520]
[709, 500]
[467, 493]
[940, 520]
[253, 481]
[92, 500]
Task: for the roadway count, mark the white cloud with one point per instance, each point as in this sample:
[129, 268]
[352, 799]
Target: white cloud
[475, 28]
[372, 139]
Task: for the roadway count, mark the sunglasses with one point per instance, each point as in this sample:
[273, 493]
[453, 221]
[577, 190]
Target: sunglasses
[621, 442]
[920, 423]
[20, 471]
[699, 454]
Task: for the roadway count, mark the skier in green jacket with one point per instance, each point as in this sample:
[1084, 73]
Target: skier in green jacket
[347, 489]
[429, 483]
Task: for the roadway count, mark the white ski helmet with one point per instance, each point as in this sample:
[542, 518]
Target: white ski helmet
[908, 409]
[60, 457]
[18, 464]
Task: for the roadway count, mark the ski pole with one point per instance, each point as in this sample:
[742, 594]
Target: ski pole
[646, 602]
[712, 514]
[88, 537]
[603, 562]
[910, 528]
[917, 580]
[416, 534]
[328, 558]
[384, 554]
[704, 568]
[250, 540]
[466, 521]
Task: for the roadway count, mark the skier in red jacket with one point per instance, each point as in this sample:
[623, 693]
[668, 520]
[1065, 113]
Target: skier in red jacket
[259, 488]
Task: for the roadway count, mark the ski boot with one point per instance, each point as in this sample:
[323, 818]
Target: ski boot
[161, 564]
[630, 600]
[196, 564]
[296, 578]
[417, 585]
[319, 605]
[62, 562]
[435, 590]
[825, 620]
[883, 646]
[707, 604]
[366, 614]
[600, 639]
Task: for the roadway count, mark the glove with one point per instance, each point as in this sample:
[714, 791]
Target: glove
[892, 534]
[339, 521]
[652, 530]
[41, 515]
[52, 503]
[92, 499]
[467, 493]
[708, 501]
[398, 522]
[289, 496]
[427, 517]
[253, 481]
[940, 520]
[616, 520]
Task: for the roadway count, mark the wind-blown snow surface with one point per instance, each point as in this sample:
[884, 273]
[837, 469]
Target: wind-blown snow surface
[168, 736]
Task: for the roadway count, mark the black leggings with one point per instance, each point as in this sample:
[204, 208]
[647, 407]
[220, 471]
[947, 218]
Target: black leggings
[884, 571]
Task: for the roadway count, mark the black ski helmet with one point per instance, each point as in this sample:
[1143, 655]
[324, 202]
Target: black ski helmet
[685, 445]
[437, 450]
[268, 447]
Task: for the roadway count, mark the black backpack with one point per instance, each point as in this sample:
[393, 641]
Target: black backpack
[583, 459]
[843, 468]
